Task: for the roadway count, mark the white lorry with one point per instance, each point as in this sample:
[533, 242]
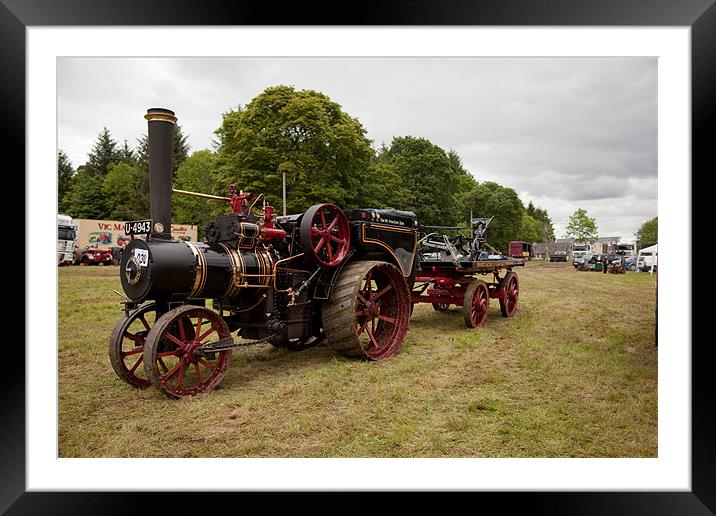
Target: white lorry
[66, 237]
[579, 252]
[647, 259]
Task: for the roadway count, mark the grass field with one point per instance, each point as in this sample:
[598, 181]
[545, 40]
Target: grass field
[572, 374]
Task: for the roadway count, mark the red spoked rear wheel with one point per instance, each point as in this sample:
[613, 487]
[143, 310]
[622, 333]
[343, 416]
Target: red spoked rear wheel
[510, 286]
[172, 361]
[477, 299]
[325, 234]
[368, 313]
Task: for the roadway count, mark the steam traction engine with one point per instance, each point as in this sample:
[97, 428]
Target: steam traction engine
[294, 281]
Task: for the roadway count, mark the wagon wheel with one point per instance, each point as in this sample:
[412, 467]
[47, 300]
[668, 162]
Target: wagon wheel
[325, 234]
[171, 361]
[510, 287]
[126, 345]
[441, 307]
[477, 300]
[368, 312]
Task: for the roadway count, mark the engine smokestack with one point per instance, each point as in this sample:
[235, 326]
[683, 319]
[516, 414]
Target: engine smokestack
[161, 150]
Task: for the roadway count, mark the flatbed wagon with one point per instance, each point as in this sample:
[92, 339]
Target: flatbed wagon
[465, 276]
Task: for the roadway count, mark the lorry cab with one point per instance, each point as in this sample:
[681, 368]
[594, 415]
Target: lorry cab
[66, 238]
[647, 259]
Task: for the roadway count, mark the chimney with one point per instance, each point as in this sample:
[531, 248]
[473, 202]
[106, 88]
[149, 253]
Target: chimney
[161, 150]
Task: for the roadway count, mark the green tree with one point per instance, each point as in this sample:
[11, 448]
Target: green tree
[323, 150]
[384, 188]
[104, 153]
[531, 230]
[648, 232]
[581, 227]
[119, 188]
[197, 174]
[86, 198]
[465, 183]
[490, 199]
[425, 171]
[64, 176]
[546, 226]
[125, 154]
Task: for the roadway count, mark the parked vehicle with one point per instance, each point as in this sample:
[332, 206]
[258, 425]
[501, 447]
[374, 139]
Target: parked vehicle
[95, 256]
[66, 239]
[579, 251]
[630, 263]
[522, 250]
[625, 250]
[558, 256]
[647, 259]
[590, 262]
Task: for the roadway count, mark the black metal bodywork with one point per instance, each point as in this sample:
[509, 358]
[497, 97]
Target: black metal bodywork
[262, 288]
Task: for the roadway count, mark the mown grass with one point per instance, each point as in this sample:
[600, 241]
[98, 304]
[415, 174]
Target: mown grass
[572, 374]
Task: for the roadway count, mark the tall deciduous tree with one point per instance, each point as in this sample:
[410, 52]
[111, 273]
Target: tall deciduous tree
[119, 188]
[465, 183]
[86, 198]
[581, 226]
[197, 174]
[425, 171]
[490, 199]
[64, 176]
[541, 216]
[648, 232]
[531, 230]
[323, 150]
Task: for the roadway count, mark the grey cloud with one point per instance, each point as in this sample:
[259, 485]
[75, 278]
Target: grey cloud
[565, 133]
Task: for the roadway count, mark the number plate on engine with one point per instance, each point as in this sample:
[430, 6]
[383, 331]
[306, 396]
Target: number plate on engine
[142, 256]
[138, 227]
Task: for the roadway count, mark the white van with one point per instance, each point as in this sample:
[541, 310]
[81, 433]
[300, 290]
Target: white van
[647, 259]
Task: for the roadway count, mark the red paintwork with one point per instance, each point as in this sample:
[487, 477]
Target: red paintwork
[268, 216]
[381, 315]
[96, 255]
[449, 288]
[272, 233]
[237, 200]
[330, 240]
[187, 335]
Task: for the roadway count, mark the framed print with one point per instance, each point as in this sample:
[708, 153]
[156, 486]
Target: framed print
[669, 468]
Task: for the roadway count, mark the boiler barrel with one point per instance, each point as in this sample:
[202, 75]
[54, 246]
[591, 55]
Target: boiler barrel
[165, 269]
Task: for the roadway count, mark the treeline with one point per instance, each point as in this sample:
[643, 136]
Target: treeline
[326, 157]
[114, 182]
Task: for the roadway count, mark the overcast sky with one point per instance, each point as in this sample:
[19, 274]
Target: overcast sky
[564, 133]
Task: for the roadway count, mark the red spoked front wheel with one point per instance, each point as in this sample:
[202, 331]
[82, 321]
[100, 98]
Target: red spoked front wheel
[126, 345]
[325, 234]
[173, 361]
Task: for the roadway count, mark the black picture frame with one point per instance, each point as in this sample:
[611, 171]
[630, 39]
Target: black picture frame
[700, 15]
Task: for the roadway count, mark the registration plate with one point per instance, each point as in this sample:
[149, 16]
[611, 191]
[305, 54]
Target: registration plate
[138, 227]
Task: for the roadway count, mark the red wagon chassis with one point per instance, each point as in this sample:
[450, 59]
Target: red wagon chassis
[443, 284]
